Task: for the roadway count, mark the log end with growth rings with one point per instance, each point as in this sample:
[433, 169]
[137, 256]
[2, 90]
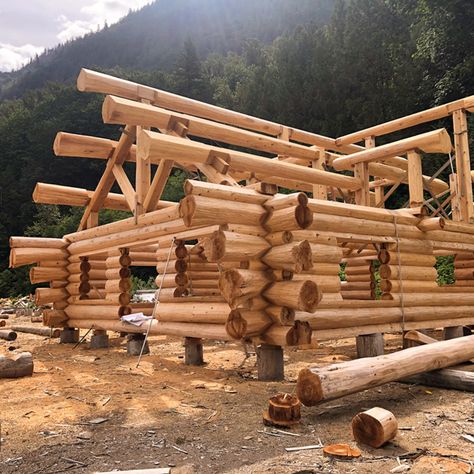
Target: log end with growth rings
[283, 410]
[308, 388]
[374, 427]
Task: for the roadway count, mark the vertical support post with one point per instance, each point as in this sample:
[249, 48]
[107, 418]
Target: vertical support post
[142, 180]
[370, 345]
[463, 165]
[135, 343]
[362, 195]
[69, 336]
[193, 353]
[415, 179]
[455, 205]
[99, 339]
[319, 191]
[270, 366]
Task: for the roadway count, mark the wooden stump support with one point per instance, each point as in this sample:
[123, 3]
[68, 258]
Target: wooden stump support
[270, 366]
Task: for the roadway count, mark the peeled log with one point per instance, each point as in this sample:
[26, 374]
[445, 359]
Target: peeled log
[46, 332]
[294, 294]
[297, 217]
[231, 246]
[20, 365]
[239, 285]
[374, 427]
[49, 295]
[37, 242]
[242, 323]
[27, 256]
[294, 257]
[201, 211]
[338, 380]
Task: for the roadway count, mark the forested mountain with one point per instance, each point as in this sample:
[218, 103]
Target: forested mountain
[152, 37]
[374, 60]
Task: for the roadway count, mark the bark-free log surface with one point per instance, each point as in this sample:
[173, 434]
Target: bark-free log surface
[328, 383]
[374, 427]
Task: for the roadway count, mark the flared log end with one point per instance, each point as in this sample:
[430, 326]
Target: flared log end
[308, 388]
[108, 109]
[236, 326]
[57, 144]
[303, 216]
[81, 81]
[303, 257]
[309, 296]
[187, 208]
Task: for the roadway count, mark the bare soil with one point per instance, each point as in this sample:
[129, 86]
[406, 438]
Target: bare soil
[92, 410]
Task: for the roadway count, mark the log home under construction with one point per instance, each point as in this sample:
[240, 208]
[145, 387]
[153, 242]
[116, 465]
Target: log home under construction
[238, 260]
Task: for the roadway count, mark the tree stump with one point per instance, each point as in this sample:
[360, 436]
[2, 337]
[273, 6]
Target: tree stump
[370, 345]
[69, 336]
[374, 427]
[193, 353]
[135, 344]
[283, 410]
[270, 366]
[20, 365]
[99, 340]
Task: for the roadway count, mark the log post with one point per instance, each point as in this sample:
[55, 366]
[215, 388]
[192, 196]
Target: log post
[99, 340]
[135, 343]
[193, 354]
[270, 366]
[370, 345]
[69, 336]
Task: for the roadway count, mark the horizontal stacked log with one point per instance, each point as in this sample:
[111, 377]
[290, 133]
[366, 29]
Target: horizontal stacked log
[51, 257]
[403, 268]
[360, 280]
[464, 270]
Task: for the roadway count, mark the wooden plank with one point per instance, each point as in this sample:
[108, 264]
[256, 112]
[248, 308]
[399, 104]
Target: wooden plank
[158, 185]
[107, 180]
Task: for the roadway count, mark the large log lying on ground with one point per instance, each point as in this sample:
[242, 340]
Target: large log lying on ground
[334, 381]
[20, 365]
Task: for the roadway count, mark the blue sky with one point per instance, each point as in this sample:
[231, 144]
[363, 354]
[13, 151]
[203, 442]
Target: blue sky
[27, 27]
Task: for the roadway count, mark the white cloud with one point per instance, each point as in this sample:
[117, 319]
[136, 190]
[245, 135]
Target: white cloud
[13, 57]
[95, 15]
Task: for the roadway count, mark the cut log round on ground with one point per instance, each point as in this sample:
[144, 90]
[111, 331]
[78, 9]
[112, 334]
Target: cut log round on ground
[374, 427]
[20, 365]
[328, 383]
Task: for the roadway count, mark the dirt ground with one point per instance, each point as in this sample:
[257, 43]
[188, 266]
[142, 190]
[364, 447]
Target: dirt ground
[91, 410]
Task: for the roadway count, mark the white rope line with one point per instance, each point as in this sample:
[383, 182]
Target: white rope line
[157, 302]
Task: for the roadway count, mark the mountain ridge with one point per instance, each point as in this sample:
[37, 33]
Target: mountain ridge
[152, 37]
